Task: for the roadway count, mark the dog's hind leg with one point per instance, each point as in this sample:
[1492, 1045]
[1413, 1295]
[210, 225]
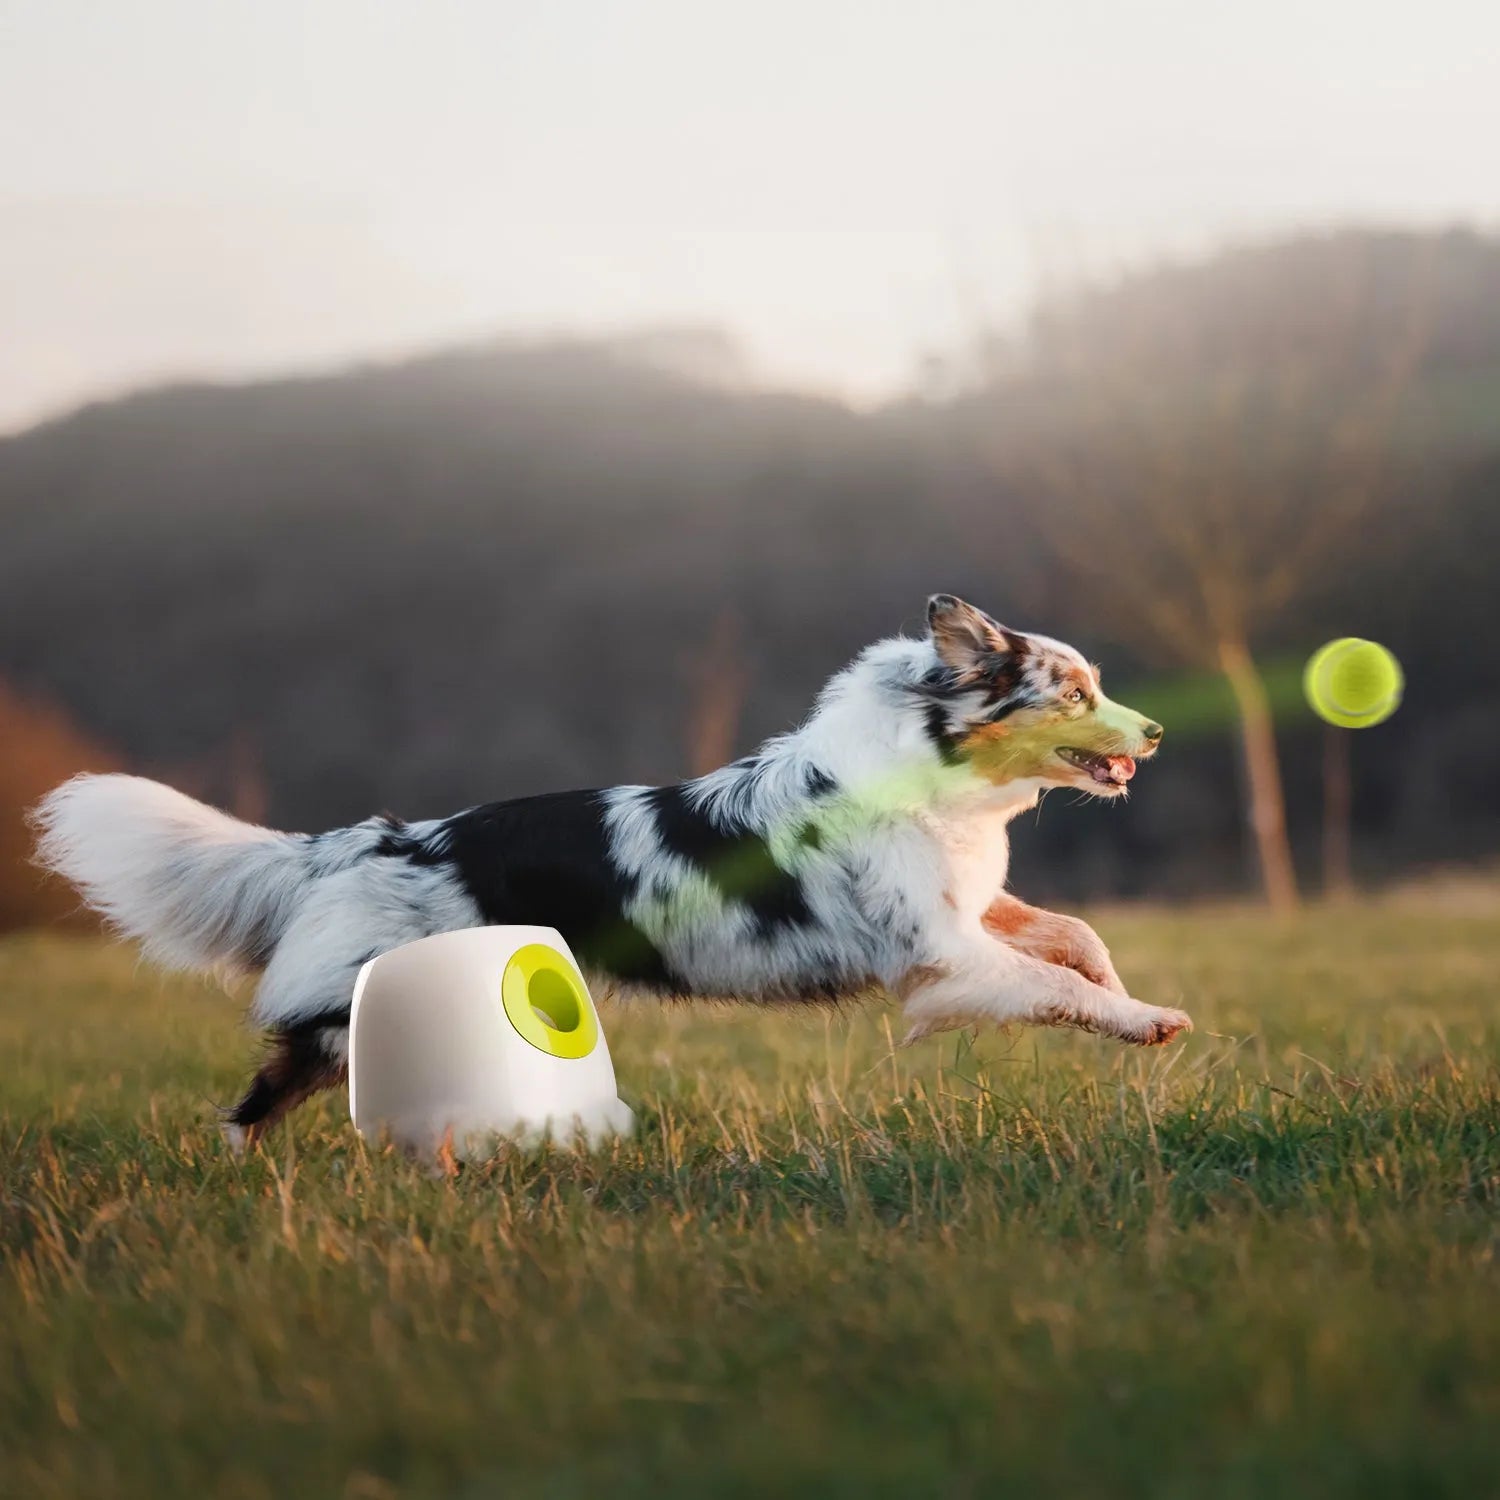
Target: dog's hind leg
[302, 1060]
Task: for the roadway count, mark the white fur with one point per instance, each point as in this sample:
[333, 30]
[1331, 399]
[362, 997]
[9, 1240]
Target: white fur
[348, 918]
[199, 889]
[191, 884]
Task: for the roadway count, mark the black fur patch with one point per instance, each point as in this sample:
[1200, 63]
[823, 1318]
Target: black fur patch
[818, 782]
[936, 723]
[1007, 708]
[545, 860]
[297, 1064]
[999, 675]
[737, 861]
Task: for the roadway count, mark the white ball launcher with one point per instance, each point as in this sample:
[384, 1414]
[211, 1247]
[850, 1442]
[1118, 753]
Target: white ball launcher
[484, 1033]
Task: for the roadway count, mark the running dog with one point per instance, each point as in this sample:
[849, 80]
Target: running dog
[865, 850]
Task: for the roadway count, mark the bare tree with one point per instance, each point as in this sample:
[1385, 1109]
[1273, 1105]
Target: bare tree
[718, 678]
[1198, 447]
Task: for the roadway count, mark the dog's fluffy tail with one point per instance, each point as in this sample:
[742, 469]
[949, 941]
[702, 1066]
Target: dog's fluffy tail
[197, 888]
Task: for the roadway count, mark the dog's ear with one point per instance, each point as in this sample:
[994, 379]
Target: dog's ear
[966, 638]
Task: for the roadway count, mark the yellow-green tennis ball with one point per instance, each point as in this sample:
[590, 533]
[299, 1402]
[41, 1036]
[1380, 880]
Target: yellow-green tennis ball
[1353, 683]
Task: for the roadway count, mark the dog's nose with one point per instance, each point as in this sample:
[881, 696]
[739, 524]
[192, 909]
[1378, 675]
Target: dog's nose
[1153, 732]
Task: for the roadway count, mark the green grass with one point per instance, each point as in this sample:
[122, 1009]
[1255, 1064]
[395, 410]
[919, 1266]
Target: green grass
[1260, 1263]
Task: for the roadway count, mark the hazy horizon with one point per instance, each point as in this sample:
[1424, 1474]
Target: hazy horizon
[245, 190]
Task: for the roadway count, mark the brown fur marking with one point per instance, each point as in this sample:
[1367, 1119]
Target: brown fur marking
[916, 977]
[296, 1068]
[1007, 917]
[1041, 934]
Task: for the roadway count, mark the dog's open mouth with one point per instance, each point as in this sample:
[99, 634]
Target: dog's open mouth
[1107, 770]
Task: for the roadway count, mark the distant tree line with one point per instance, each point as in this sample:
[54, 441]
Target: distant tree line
[517, 567]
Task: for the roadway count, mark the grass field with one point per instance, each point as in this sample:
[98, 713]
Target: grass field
[1262, 1262]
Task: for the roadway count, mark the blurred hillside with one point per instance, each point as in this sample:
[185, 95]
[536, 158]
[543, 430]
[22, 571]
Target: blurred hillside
[514, 567]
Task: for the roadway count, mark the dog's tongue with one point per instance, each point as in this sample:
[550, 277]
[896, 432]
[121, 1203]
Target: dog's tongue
[1116, 768]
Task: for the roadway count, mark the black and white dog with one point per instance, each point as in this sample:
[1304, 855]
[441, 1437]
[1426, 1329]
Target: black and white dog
[865, 849]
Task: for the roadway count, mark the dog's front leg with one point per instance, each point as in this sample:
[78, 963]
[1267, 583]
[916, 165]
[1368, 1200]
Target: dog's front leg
[972, 980]
[1055, 939]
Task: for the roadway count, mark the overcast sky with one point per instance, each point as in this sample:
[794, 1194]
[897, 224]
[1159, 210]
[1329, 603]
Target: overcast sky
[211, 187]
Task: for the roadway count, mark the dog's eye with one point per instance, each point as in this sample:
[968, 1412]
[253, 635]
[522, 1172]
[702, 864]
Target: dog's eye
[1076, 696]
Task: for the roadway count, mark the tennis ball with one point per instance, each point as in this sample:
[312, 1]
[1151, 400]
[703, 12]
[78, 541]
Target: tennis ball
[1353, 683]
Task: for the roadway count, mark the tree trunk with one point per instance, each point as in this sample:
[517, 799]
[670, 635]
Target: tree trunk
[1262, 774]
[1338, 873]
[718, 696]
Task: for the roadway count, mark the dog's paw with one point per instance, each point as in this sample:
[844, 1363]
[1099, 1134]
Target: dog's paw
[924, 1027]
[1160, 1026]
